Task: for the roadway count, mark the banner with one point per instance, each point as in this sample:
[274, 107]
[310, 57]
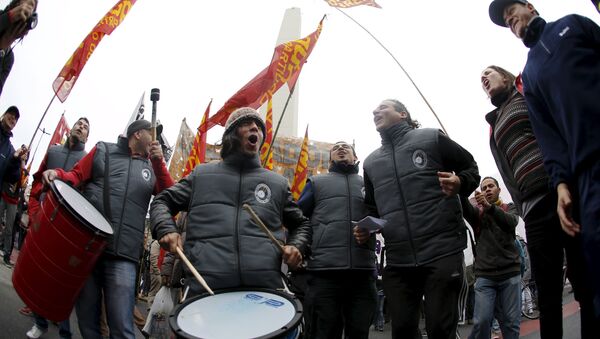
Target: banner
[351, 3]
[182, 149]
[198, 152]
[268, 164]
[285, 67]
[301, 173]
[60, 133]
[64, 82]
[138, 113]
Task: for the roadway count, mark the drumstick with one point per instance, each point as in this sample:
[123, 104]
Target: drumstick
[262, 226]
[194, 271]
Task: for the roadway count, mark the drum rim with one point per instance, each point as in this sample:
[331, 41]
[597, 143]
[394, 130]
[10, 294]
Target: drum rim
[291, 325]
[74, 213]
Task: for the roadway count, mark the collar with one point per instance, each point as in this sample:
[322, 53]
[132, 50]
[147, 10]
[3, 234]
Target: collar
[343, 168]
[395, 132]
[242, 161]
[79, 146]
[534, 31]
[491, 116]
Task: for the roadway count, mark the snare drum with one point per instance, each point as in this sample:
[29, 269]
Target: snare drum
[66, 238]
[238, 313]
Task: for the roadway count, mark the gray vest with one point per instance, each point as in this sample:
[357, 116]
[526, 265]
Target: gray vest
[131, 182]
[423, 223]
[338, 201]
[61, 156]
[219, 230]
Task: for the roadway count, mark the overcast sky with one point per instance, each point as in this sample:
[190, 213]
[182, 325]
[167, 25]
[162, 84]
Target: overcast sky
[196, 50]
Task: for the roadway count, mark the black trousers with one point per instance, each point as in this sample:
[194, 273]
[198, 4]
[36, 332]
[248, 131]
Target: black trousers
[547, 244]
[339, 301]
[439, 283]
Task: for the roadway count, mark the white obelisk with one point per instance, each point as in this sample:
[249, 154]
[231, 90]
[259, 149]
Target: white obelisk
[290, 30]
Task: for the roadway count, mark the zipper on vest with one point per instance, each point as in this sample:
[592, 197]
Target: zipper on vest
[66, 158]
[122, 209]
[410, 238]
[544, 46]
[350, 222]
[237, 231]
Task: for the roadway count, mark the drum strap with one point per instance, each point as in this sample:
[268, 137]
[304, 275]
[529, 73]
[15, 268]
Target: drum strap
[106, 193]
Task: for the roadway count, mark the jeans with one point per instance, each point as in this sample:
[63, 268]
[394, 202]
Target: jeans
[439, 282]
[505, 297]
[9, 222]
[64, 327]
[340, 300]
[547, 244]
[115, 279]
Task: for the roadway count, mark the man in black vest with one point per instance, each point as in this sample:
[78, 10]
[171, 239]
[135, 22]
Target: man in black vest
[222, 241]
[58, 156]
[119, 180]
[412, 181]
[341, 295]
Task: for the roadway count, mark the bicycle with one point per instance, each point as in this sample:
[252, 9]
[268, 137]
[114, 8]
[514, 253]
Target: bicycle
[529, 307]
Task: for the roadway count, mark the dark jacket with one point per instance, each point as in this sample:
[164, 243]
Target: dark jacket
[131, 182]
[561, 82]
[497, 256]
[222, 241]
[9, 165]
[402, 187]
[337, 200]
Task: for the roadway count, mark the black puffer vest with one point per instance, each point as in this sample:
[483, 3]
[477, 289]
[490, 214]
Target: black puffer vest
[339, 200]
[64, 157]
[131, 182]
[424, 224]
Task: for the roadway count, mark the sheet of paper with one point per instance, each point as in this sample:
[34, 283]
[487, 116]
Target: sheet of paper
[370, 224]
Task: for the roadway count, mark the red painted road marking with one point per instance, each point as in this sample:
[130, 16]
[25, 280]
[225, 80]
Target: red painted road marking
[532, 326]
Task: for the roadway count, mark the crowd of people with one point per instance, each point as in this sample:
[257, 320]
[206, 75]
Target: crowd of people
[420, 182]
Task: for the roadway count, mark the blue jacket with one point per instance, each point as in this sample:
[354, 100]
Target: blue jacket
[561, 82]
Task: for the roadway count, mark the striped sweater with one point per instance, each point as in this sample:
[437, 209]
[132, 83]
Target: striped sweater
[516, 145]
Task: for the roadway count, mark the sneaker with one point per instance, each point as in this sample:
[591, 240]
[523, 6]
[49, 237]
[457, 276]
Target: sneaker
[36, 332]
[7, 263]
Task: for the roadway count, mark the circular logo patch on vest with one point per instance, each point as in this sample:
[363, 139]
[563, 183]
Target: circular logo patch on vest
[419, 158]
[146, 174]
[262, 193]
[363, 192]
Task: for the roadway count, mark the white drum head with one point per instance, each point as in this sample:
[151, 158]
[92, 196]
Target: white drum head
[239, 314]
[82, 207]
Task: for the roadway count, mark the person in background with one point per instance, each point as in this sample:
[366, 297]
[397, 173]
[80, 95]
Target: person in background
[341, 294]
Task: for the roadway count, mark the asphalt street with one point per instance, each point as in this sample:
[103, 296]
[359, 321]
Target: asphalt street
[15, 325]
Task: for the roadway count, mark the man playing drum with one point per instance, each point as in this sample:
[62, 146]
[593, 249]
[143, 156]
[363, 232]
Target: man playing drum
[222, 241]
[119, 180]
[64, 157]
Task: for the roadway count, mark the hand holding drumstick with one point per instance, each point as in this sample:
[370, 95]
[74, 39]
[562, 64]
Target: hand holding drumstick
[291, 255]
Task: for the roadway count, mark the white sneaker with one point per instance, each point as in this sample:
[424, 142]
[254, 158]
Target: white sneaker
[36, 332]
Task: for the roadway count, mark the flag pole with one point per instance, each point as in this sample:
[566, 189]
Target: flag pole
[398, 63]
[42, 119]
[279, 124]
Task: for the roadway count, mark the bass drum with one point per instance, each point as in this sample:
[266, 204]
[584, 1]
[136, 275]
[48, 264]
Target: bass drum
[238, 313]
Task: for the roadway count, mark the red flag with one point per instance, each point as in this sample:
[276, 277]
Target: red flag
[351, 3]
[285, 67]
[301, 173]
[60, 133]
[69, 74]
[268, 164]
[198, 152]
